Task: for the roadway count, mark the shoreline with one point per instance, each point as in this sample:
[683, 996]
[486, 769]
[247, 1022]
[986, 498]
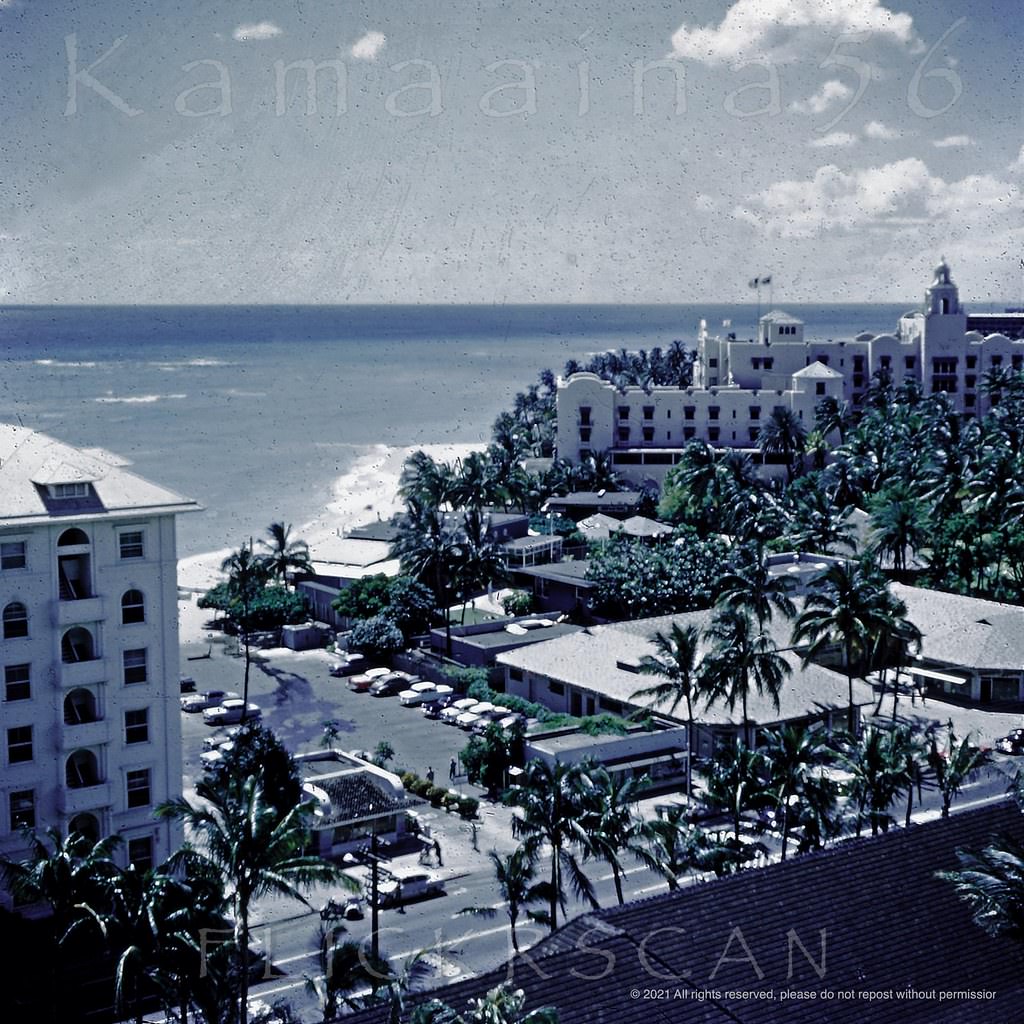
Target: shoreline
[368, 490]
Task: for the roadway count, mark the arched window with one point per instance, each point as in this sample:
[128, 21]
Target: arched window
[15, 621]
[72, 536]
[86, 825]
[76, 645]
[79, 707]
[133, 607]
[945, 305]
[82, 769]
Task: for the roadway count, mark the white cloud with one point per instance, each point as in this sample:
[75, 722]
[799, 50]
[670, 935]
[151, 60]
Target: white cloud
[953, 142]
[255, 33]
[893, 195]
[834, 140]
[784, 28]
[1017, 167]
[831, 92]
[878, 130]
[369, 46]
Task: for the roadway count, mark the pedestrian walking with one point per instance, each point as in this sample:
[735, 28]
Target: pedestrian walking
[430, 775]
[451, 769]
[437, 850]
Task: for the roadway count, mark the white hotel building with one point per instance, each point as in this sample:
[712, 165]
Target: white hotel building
[90, 723]
[738, 383]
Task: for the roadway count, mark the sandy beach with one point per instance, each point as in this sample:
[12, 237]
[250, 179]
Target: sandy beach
[368, 491]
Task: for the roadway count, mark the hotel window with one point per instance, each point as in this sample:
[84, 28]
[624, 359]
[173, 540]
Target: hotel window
[132, 544]
[15, 621]
[969, 400]
[17, 682]
[136, 726]
[134, 662]
[713, 364]
[858, 362]
[754, 433]
[648, 412]
[858, 380]
[623, 412]
[1018, 362]
[885, 362]
[585, 435]
[769, 363]
[713, 433]
[755, 412]
[755, 363]
[516, 674]
[12, 555]
[584, 415]
[133, 607]
[19, 744]
[996, 360]
[558, 689]
[970, 380]
[137, 787]
[909, 362]
[623, 433]
[713, 411]
[668, 436]
[971, 361]
[648, 434]
[23, 809]
[689, 433]
[819, 387]
[668, 414]
[688, 412]
[778, 410]
[823, 359]
[140, 853]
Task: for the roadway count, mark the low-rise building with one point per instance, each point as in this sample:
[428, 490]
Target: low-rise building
[561, 587]
[479, 644]
[90, 725]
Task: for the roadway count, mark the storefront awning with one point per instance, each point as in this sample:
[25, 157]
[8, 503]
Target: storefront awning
[942, 677]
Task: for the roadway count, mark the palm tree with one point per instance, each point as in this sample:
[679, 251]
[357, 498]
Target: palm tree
[954, 765]
[737, 783]
[794, 756]
[67, 874]
[741, 660]
[833, 416]
[909, 752]
[676, 663]
[613, 826]
[516, 874]
[898, 522]
[553, 800]
[284, 554]
[239, 837]
[247, 578]
[501, 1005]
[785, 436]
[878, 776]
[345, 967]
[992, 882]
[751, 587]
[674, 846]
[844, 607]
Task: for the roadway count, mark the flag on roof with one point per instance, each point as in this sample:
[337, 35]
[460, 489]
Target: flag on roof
[755, 282]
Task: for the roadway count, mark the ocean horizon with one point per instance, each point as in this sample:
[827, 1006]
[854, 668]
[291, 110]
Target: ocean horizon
[257, 411]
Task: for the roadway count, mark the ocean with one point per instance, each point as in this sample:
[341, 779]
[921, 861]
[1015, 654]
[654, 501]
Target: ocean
[255, 412]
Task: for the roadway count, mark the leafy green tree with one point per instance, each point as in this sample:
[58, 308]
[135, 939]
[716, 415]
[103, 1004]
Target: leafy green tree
[258, 753]
[240, 838]
[551, 802]
[365, 598]
[377, 637]
[633, 579]
[410, 605]
[284, 554]
[488, 757]
[518, 602]
[382, 753]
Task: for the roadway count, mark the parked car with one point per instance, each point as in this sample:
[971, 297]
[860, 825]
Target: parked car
[187, 684]
[350, 665]
[468, 719]
[361, 683]
[349, 908]
[1012, 743]
[433, 707]
[230, 712]
[499, 715]
[222, 736]
[392, 683]
[450, 713]
[404, 887]
[417, 694]
[207, 699]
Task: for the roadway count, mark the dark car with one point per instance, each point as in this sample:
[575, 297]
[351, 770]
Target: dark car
[187, 684]
[433, 708]
[1011, 743]
[350, 665]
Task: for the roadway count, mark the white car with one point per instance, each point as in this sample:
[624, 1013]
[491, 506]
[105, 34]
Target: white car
[364, 680]
[207, 699]
[417, 694]
[219, 739]
[450, 713]
[230, 712]
[468, 719]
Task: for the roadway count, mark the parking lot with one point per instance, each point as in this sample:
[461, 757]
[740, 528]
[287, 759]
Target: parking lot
[297, 697]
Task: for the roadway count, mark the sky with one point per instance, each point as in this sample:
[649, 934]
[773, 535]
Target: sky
[505, 151]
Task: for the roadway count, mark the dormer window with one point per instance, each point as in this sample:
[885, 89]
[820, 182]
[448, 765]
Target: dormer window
[69, 490]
